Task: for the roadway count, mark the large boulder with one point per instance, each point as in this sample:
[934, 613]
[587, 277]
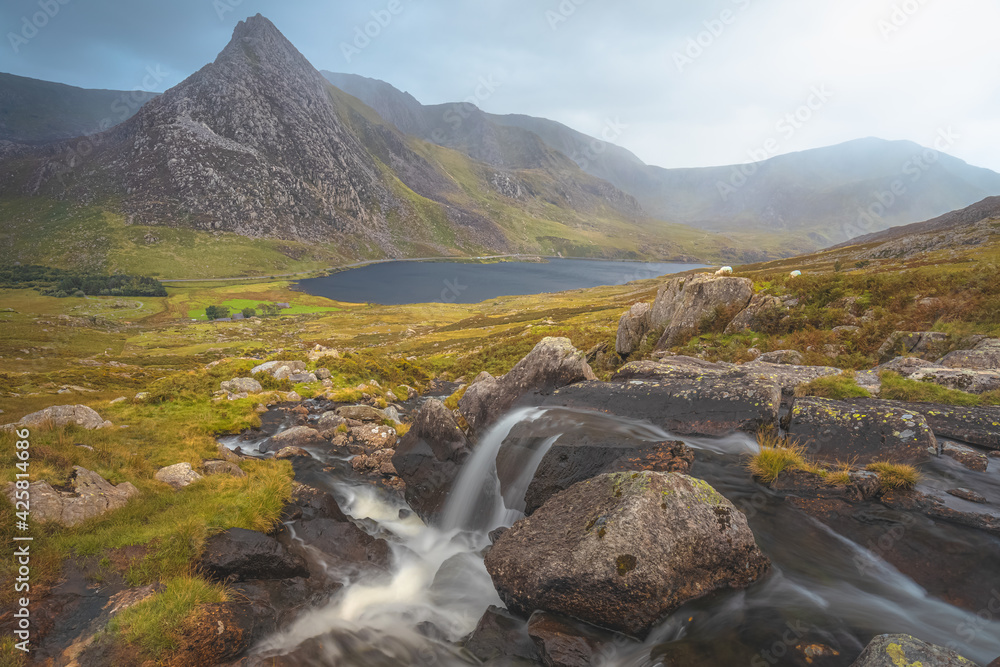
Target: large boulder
[553, 363]
[758, 313]
[242, 386]
[622, 550]
[92, 496]
[974, 425]
[429, 457]
[374, 437]
[684, 302]
[632, 328]
[839, 431]
[59, 416]
[178, 475]
[985, 356]
[904, 650]
[499, 634]
[239, 554]
[297, 436]
[361, 413]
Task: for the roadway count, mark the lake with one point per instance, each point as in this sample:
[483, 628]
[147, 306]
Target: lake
[398, 283]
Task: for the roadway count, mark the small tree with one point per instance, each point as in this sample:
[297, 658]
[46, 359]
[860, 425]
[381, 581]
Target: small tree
[838, 265]
[216, 312]
[249, 312]
[268, 309]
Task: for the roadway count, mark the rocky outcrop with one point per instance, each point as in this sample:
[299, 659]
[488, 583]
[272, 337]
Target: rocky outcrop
[985, 356]
[280, 370]
[620, 551]
[59, 416]
[374, 437]
[902, 650]
[429, 457]
[838, 431]
[976, 426]
[632, 329]
[756, 315]
[791, 357]
[239, 554]
[92, 496]
[970, 380]
[553, 363]
[927, 345]
[704, 404]
[242, 386]
[378, 462]
[682, 303]
[579, 459]
[178, 475]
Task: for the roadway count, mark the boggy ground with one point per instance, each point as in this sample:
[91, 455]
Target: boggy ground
[92, 351]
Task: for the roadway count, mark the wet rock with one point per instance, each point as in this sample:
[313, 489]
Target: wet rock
[632, 329]
[298, 436]
[898, 650]
[92, 496]
[985, 356]
[621, 550]
[178, 475]
[499, 634]
[374, 437]
[59, 416]
[969, 494]
[580, 459]
[973, 425]
[218, 467]
[361, 413]
[862, 433]
[495, 534]
[936, 508]
[242, 386]
[562, 642]
[344, 543]
[553, 363]
[317, 504]
[292, 452]
[682, 303]
[217, 633]
[329, 420]
[238, 555]
[928, 345]
[379, 462]
[758, 312]
[965, 455]
[703, 405]
[429, 457]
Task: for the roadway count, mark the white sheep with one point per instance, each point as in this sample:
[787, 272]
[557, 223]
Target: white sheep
[725, 271]
[795, 274]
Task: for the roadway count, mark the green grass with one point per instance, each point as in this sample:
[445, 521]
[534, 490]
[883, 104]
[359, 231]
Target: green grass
[153, 624]
[838, 387]
[776, 455]
[896, 387]
[237, 305]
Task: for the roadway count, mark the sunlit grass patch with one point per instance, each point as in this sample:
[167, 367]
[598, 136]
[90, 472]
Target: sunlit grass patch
[895, 476]
[898, 388]
[776, 455]
[838, 387]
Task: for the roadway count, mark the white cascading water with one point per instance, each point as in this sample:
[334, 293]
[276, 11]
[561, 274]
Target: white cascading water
[438, 579]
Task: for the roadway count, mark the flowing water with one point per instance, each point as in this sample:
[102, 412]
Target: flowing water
[824, 589]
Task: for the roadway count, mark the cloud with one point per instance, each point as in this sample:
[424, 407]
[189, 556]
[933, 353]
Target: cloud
[697, 83]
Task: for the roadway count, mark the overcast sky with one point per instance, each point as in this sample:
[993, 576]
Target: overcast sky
[693, 83]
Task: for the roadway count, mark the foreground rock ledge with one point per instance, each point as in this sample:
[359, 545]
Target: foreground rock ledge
[622, 550]
[894, 650]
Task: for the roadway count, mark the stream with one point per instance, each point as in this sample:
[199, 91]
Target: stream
[824, 588]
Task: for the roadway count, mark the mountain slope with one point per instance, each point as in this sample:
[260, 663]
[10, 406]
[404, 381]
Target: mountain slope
[814, 197]
[33, 111]
[257, 145]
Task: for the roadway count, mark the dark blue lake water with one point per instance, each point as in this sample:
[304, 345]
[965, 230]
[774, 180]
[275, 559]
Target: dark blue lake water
[396, 283]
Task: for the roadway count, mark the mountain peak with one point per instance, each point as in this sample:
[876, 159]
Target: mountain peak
[258, 40]
[255, 25]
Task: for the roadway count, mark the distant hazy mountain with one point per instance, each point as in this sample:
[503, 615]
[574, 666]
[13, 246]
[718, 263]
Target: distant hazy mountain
[33, 111]
[816, 197]
[259, 144]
